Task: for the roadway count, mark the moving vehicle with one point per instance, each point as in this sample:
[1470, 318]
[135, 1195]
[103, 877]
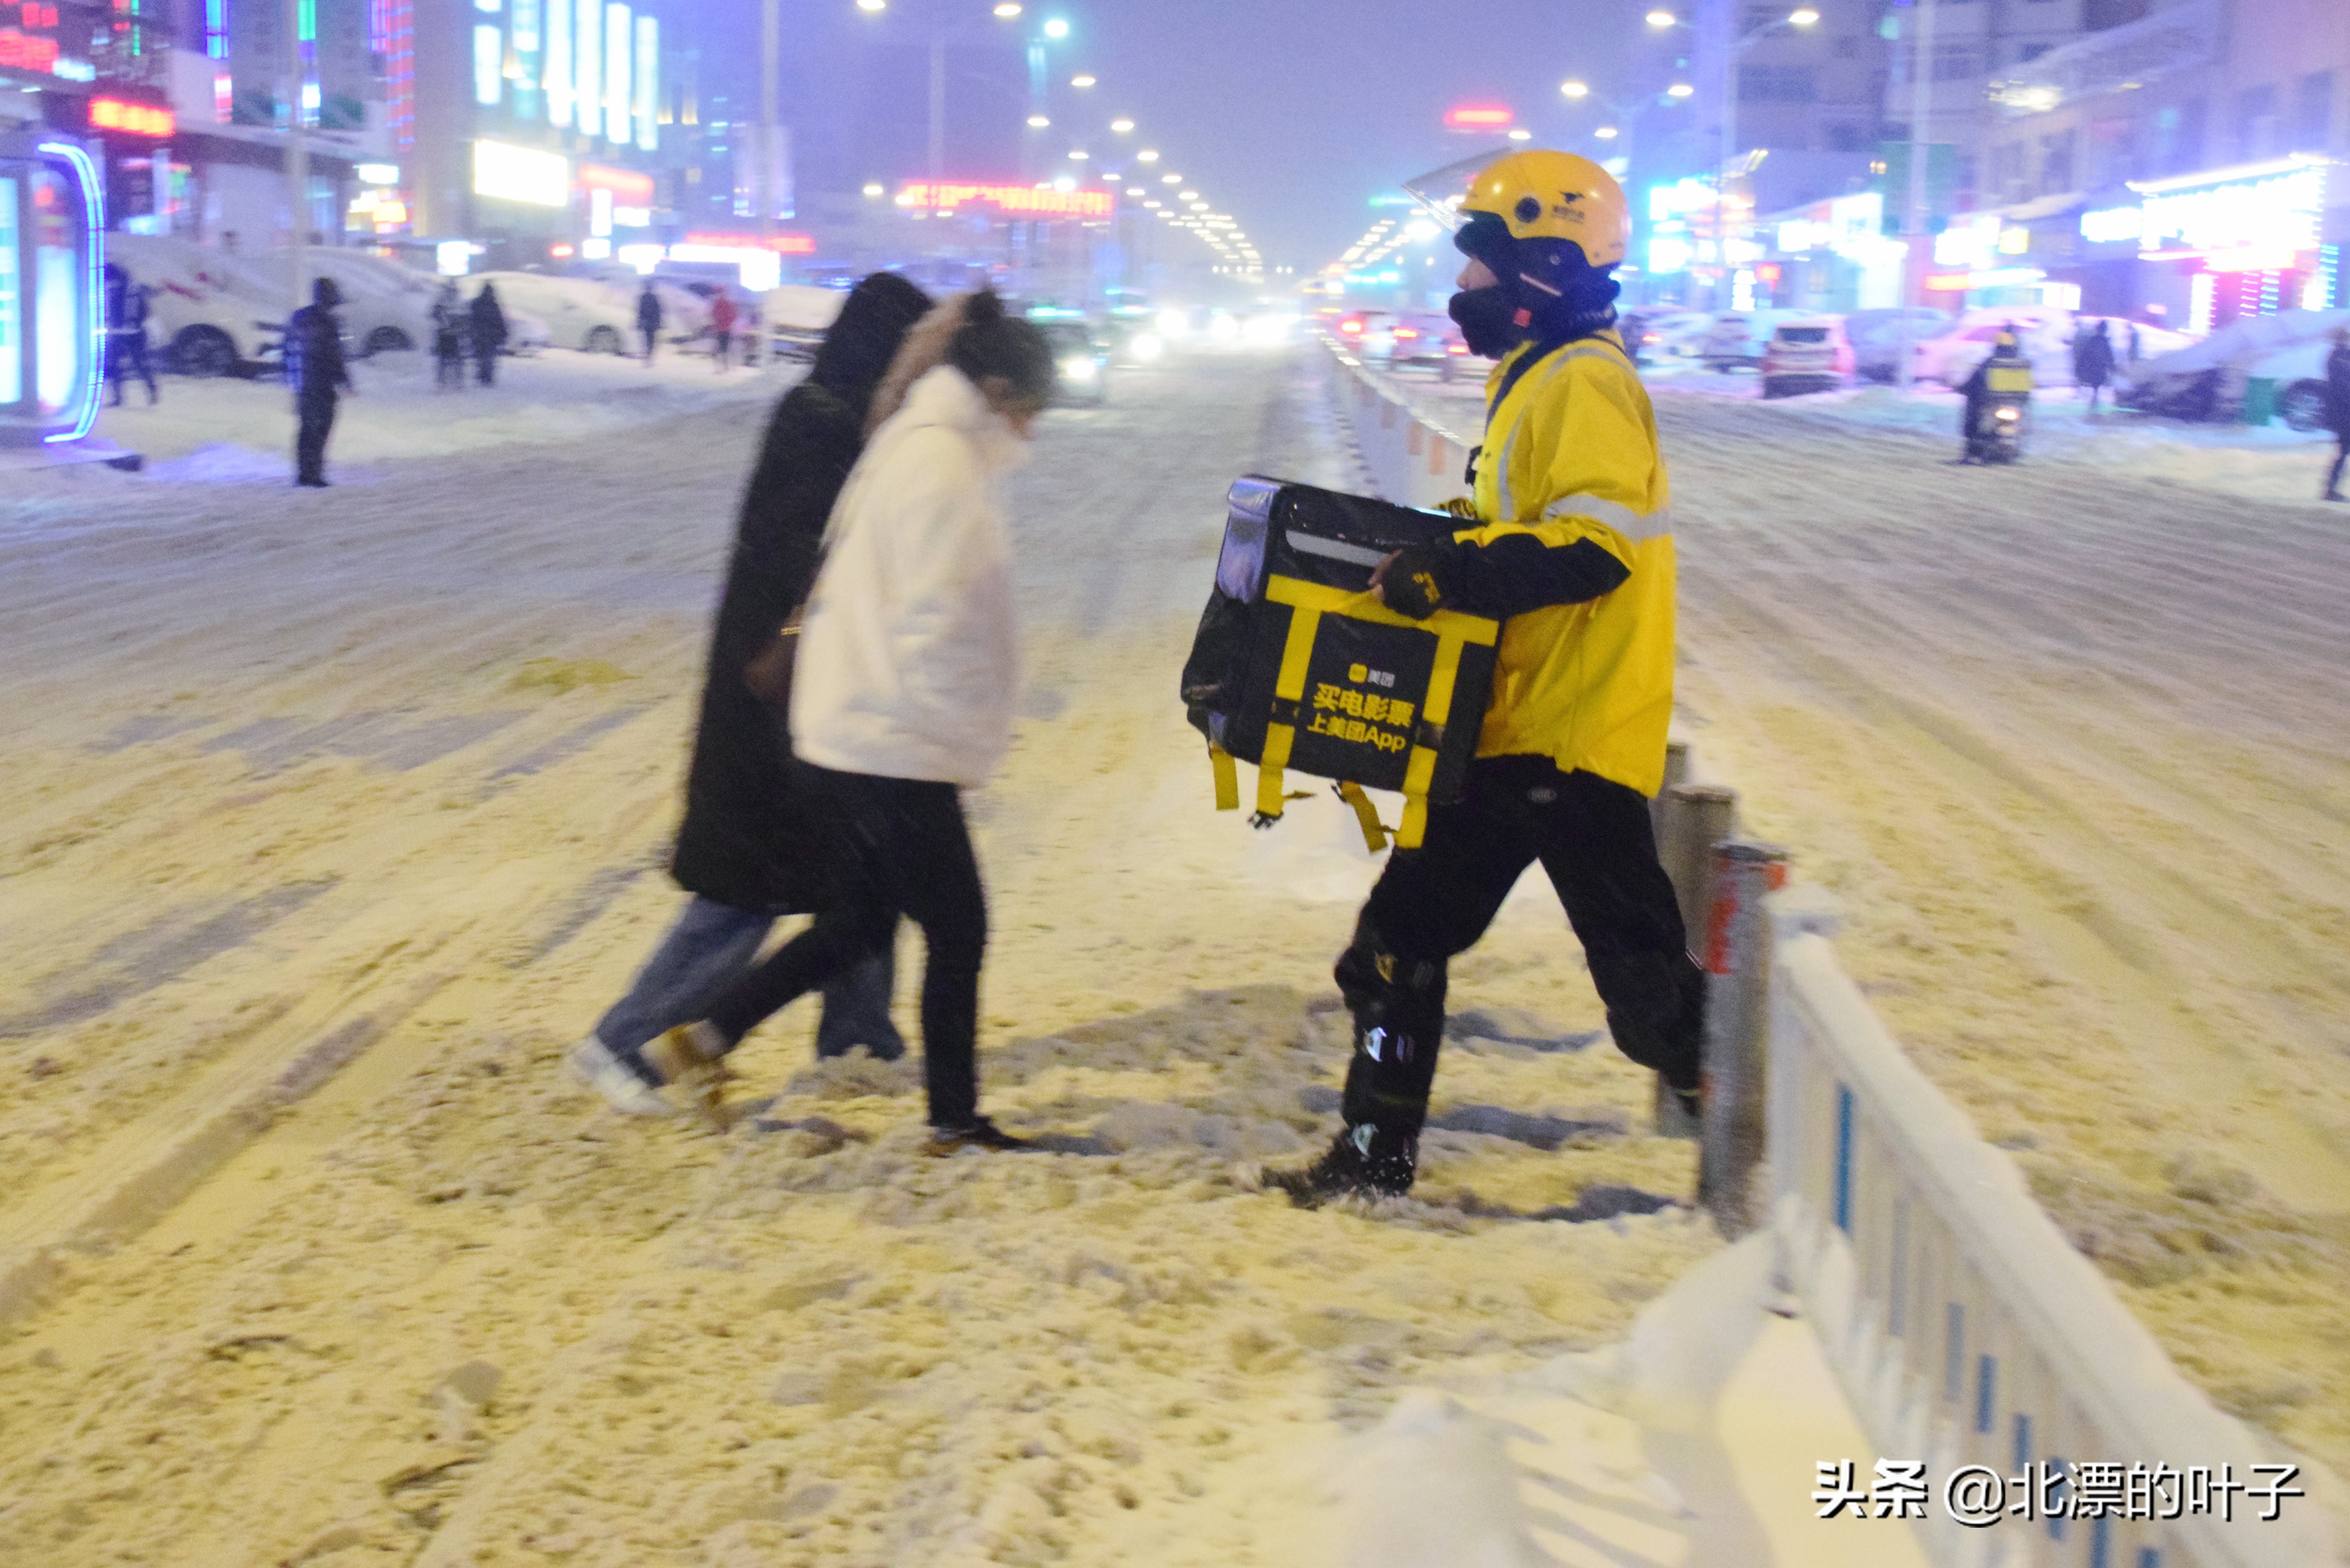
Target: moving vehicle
[1083, 359]
[1368, 333]
[1421, 338]
[579, 312]
[1999, 438]
[1807, 355]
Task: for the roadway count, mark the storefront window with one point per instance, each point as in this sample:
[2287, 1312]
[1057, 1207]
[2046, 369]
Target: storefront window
[61, 341]
[12, 302]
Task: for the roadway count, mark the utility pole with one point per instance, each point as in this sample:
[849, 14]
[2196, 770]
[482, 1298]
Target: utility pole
[297, 148]
[1913, 213]
[771, 119]
[937, 115]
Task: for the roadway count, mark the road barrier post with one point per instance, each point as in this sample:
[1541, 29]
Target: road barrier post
[1737, 1022]
[1690, 820]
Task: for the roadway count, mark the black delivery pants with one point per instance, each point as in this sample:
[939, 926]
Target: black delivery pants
[317, 414]
[905, 850]
[1593, 838]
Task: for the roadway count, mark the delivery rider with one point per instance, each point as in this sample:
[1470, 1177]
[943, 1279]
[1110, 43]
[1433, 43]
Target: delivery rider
[1573, 544]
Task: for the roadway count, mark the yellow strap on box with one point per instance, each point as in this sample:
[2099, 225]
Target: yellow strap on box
[1228, 778]
[1290, 684]
[1375, 833]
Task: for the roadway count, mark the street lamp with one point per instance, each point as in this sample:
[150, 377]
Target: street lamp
[1009, 9]
[1081, 80]
[939, 35]
[1056, 28]
[1040, 121]
[1661, 18]
[1679, 89]
[1122, 126]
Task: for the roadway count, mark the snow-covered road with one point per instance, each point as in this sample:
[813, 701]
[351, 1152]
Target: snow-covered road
[2069, 739]
[382, 776]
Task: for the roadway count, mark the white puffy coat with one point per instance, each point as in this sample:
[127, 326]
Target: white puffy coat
[908, 657]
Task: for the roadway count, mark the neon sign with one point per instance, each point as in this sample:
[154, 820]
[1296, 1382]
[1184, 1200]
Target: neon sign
[2269, 208]
[134, 119]
[93, 213]
[783, 244]
[1019, 201]
[1478, 117]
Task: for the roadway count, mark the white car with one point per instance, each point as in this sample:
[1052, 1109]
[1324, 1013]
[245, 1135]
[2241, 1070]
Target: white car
[579, 312]
[1876, 336]
[797, 316]
[2288, 348]
[207, 316]
[1669, 334]
[1737, 337]
[387, 308]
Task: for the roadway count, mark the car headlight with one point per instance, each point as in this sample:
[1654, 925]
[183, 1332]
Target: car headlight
[1080, 367]
[1147, 347]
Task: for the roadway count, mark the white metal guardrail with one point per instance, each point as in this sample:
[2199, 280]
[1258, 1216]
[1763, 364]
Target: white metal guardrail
[1412, 461]
[1970, 1334]
[1971, 1339]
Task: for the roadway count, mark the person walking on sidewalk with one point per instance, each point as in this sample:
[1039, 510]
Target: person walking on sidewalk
[902, 698]
[316, 370]
[721, 329]
[750, 848]
[2338, 410]
[649, 319]
[1571, 545]
[2092, 361]
[450, 322]
[126, 333]
[488, 323]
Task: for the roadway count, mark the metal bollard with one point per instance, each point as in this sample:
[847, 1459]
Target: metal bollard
[1694, 818]
[1737, 1014]
[1676, 773]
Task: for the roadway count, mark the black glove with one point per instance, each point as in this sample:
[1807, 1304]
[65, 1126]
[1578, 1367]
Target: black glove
[1409, 586]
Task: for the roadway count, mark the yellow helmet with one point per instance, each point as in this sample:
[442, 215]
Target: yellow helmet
[1541, 195]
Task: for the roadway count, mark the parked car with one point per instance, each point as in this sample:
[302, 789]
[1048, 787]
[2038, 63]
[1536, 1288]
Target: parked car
[797, 316]
[1736, 339]
[387, 308]
[580, 313]
[2208, 380]
[1808, 355]
[208, 316]
[1877, 336]
[1083, 359]
[1673, 336]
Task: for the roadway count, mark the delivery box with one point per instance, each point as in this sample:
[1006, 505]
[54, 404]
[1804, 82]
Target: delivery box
[1298, 667]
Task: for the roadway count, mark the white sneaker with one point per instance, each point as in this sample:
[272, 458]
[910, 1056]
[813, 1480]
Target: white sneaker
[594, 1064]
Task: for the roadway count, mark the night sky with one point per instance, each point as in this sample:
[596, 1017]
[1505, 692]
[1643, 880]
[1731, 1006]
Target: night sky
[1289, 114]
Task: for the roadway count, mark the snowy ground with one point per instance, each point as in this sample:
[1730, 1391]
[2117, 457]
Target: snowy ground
[386, 772]
[2068, 739]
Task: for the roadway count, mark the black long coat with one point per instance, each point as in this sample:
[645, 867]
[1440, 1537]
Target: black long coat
[742, 842]
[746, 841]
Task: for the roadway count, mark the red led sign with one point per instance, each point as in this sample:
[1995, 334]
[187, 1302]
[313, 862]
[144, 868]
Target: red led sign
[135, 119]
[1478, 117]
[1025, 201]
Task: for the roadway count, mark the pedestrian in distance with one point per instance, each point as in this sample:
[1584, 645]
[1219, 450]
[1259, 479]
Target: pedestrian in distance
[649, 319]
[721, 329]
[752, 847]
[1568, 540]
[126, 333]
[752, 337]
[314, 368]
[2338, 410]
[452, 324]
[487, 321]
[2092, 361]
[902, 698]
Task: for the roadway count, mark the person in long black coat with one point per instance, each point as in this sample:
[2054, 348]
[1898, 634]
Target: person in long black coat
[489, 333]
[2092, 361]
[2338, 410]
[749, 851]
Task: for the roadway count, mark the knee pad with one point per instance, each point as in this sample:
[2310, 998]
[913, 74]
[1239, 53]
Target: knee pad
[1384, 991]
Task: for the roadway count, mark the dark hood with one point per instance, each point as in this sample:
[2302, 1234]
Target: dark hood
[864, 338]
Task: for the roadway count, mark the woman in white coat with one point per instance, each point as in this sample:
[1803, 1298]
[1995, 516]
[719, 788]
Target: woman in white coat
[901, 697]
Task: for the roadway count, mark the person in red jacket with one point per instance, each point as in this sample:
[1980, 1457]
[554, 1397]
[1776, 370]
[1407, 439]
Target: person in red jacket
[721, 328]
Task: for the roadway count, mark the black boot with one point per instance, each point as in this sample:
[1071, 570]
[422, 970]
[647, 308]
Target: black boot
[1363, 1162]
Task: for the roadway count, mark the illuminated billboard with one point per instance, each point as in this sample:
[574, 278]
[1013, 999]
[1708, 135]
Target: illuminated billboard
[1012, 201]
[524, 174]
[1478, 117]
[134, 119]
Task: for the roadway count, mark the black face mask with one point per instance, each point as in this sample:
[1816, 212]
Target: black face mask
[1488, 319]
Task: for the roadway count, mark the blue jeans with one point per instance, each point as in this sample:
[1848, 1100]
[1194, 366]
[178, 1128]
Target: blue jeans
[712, 946]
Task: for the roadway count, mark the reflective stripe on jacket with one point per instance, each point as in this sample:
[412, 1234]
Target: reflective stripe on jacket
[1571, 454]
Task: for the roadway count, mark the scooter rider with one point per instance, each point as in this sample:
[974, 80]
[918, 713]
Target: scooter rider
[2004, 376]
[1570, 540]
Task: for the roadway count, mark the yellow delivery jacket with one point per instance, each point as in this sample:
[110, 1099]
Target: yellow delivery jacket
[1570, 454]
